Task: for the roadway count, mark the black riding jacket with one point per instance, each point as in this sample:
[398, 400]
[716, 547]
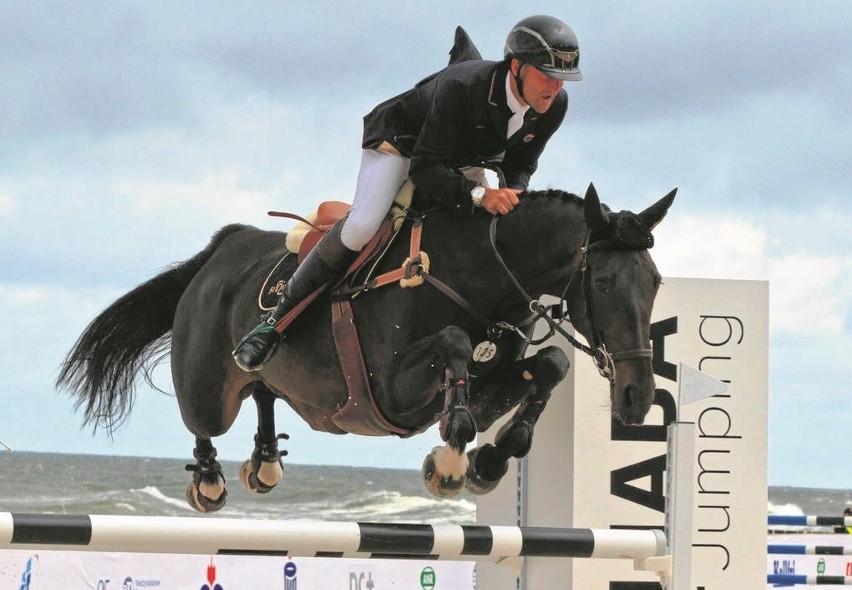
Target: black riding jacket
[457, 117]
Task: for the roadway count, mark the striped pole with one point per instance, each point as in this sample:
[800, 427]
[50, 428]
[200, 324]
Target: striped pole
[163, 534]
[793, 579]
[802, 520]
[781, 549]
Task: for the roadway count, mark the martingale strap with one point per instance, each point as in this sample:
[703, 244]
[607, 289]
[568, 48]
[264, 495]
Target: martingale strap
[361, 414]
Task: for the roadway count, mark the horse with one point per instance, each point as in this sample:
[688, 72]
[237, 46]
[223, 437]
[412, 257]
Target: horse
[452, 350]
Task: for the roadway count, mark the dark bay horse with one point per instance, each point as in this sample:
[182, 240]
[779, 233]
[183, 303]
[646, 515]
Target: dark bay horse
[449, 351]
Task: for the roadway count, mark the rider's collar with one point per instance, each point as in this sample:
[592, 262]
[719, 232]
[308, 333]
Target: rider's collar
[511, 101]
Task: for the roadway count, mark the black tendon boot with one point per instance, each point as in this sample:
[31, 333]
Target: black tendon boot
[326, 262]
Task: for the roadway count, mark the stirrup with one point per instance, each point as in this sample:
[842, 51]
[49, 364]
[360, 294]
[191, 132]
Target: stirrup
[268, 325]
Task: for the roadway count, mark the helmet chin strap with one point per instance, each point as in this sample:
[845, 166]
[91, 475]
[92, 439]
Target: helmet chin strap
[520, 83]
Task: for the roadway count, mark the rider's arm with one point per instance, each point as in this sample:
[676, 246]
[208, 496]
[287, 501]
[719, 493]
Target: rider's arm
[430, 168]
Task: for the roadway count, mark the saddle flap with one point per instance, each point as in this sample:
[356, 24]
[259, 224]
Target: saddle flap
[310, 240]
[327, 214]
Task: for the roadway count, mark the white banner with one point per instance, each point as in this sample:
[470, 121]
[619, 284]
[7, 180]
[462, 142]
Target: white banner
[585, 470]
[810, 565]
[68, 570]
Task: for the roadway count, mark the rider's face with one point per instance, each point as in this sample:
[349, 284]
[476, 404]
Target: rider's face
[539, 89]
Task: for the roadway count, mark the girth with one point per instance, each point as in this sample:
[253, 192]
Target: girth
[360, 414]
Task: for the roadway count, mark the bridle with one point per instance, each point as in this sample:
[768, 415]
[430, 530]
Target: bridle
[554, 315]
[557, 313]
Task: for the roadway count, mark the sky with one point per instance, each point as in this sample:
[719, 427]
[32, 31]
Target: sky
[130, 132]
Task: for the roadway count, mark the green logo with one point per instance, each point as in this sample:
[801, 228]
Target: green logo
[427, 578]
[821, 567]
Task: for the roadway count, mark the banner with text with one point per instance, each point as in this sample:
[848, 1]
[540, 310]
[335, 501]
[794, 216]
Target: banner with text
[588, 470]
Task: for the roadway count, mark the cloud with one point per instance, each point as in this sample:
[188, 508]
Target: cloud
[709, 57]
[21, 296]
[807, 293]
[217, 197]
[804, 293]
[7, 205]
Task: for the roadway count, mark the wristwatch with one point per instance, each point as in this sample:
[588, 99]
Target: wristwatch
[476, 195]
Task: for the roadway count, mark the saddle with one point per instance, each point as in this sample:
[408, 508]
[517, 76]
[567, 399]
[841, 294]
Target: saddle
[306, 234]
[360, 414]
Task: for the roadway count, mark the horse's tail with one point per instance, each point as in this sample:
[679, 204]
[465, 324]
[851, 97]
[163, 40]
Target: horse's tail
[129, 336]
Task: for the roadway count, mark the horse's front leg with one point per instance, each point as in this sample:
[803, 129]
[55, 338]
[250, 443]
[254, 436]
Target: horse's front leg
[445, 467]
[530, 381]
[265, 469]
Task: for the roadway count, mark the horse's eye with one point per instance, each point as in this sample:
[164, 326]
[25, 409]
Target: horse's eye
[604, 284]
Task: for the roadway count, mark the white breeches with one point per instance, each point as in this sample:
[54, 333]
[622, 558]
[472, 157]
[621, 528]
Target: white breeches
[379, 180]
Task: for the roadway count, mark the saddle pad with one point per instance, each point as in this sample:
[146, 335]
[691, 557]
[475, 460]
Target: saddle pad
[325, 218]
[273, 286]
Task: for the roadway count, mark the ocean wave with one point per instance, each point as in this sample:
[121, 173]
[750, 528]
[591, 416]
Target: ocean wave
[391, 505]
[791, 509]
[154, 492]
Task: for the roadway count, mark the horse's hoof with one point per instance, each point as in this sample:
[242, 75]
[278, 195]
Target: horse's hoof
[475, 482]
[444, 472]
[255, 481]
[202, 503]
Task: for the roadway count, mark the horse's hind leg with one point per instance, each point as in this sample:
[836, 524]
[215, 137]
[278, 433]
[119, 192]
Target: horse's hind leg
[265, 469]
[531, 380]
[445, 467]
[206, 492]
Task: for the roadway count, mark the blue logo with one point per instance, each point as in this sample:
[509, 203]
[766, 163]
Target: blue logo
[25, 577]
[784, 567]
[290, 581]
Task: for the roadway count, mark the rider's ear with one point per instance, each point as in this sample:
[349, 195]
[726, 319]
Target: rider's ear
[654, 214]
[596, 215]
[515, 67]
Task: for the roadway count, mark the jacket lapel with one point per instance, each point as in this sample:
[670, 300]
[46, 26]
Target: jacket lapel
[498, 111]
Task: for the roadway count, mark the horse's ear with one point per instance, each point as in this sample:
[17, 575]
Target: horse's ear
[463, 48]
[596, 216]
[654, 214]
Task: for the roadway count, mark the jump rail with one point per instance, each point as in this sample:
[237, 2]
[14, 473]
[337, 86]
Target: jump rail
[781, 549]
[793, 579]
[799, 520]
[163, 534]
[803, 520]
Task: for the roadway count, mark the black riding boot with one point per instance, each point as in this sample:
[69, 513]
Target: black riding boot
[326, 262]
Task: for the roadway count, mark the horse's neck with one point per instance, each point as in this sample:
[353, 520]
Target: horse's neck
[543, 238]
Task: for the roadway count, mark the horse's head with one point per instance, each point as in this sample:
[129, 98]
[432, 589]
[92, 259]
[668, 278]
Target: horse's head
[616, 288]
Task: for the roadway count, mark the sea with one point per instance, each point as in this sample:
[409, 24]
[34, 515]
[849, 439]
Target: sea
[144, 486]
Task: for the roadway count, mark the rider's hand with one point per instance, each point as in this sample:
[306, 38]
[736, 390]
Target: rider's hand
[500, 200]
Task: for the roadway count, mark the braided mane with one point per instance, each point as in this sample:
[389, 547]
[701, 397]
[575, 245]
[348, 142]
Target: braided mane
[554, 193]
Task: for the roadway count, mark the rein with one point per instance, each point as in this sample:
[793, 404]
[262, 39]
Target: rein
[554, 315]
[603, 359]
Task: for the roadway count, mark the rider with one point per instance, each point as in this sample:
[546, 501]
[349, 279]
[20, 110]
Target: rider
[470, 111]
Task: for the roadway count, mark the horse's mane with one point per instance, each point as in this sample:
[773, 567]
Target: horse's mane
[554, 193]
[550, 212]
[550, 199]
